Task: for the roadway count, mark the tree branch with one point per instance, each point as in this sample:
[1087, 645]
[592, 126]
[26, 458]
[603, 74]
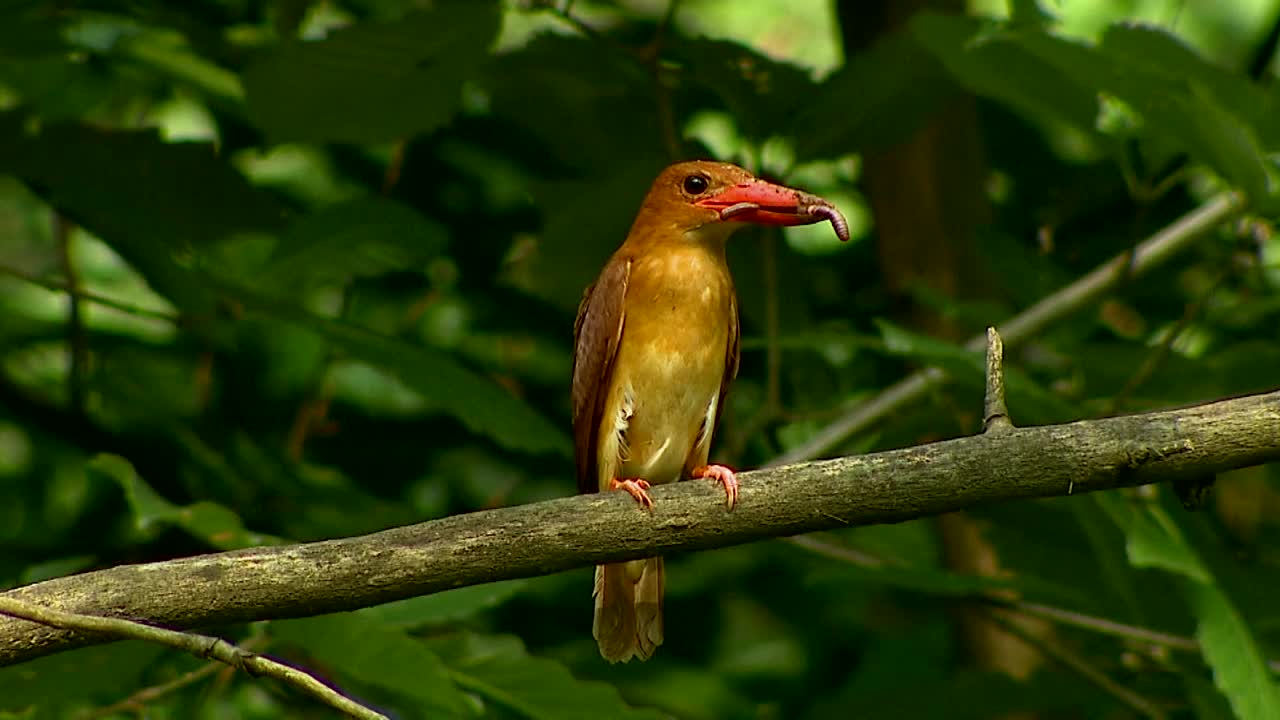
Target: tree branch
[547, 537]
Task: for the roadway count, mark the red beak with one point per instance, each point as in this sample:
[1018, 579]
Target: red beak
[764, 203]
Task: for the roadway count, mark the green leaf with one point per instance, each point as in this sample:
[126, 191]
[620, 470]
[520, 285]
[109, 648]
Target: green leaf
[1239, 669]
[445, 607]
[1169, 86]
[585, 219]
[933, 581]
[1206, 702]
[900, 341]
[143, 386]
[1159, 51]
[579, 99]
[56, 568]
[102, 675]
[480, 404]
[1175, 91]
[760, 93]
[58, 87]
[167, 53]
[500, 671]
[1152, 539]
[217, 525]
[25, 30]
[988, 63]
[363, 237]
[862, 107]
[1030, 401]
[1104, 544]
[373, 81]
[378, 655]
[153, 202]
[1221, 140]
[1029, 13]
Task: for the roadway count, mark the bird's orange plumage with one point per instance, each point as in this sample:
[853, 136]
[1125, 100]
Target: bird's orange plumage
[656, 346]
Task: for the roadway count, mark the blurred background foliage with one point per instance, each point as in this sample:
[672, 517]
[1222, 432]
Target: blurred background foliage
[282, 270]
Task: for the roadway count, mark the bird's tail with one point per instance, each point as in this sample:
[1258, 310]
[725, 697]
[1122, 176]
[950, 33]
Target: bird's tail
[628, 616]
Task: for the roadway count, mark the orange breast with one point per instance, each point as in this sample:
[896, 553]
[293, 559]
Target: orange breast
[671, 360]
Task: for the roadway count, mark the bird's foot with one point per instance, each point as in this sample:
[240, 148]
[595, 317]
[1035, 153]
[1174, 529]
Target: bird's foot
[727, 478]
[635, 487]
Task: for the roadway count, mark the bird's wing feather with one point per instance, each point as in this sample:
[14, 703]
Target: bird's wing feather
[597, 333]
[732, 353]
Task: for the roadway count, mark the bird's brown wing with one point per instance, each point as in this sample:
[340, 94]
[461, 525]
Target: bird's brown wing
[596, 335]
[732, 353]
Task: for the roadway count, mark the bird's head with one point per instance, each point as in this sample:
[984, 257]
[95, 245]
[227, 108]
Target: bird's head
[708, 200]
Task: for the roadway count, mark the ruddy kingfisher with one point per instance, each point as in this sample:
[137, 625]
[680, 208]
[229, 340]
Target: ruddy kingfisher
[655, 348]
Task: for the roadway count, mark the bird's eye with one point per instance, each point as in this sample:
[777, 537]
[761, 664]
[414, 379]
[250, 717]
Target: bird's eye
[695, 184]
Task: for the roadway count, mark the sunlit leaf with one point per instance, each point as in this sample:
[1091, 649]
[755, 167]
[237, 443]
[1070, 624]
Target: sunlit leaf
[1239, 669]
[1153, 540]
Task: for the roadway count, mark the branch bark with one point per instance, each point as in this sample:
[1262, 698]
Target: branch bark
[547, 537]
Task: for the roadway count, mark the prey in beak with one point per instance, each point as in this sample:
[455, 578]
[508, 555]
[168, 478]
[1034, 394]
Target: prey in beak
[765, 203]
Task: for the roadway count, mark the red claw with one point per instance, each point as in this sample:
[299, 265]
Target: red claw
[635, 487]
[723, 475]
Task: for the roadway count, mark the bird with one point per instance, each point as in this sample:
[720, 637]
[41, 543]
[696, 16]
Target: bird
[656, 345]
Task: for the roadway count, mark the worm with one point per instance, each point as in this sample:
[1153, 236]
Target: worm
[838, 223]
[738, 209]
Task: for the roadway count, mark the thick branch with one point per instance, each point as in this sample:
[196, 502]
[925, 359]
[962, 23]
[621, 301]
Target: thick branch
[547, 537]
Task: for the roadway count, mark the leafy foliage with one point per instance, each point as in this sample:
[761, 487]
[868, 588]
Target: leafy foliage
[326, 258]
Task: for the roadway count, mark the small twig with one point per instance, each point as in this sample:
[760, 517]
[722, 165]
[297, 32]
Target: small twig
[1156, 249]
[1103, 626]
[77, 338]
[995, 413]
[89, 296]
[1099, 625]
[835, 552]
[202, 646]
[1080, 666]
